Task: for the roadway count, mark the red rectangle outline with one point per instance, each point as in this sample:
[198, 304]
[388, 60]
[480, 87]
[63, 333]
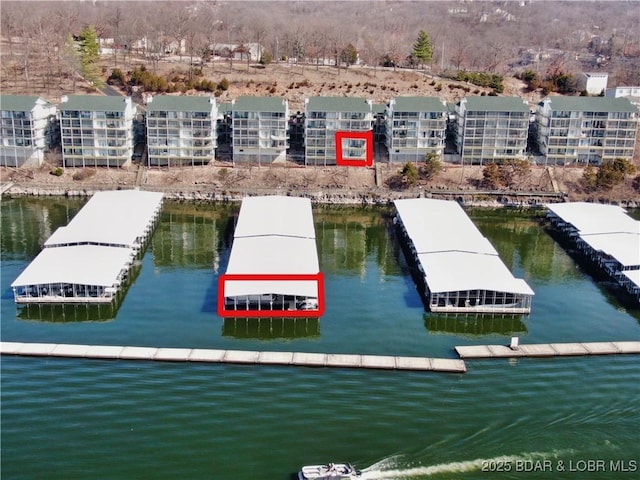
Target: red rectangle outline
[367, 136]
[318, 277]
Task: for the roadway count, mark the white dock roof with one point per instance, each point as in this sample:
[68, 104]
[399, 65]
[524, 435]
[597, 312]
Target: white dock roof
[81, 265]
[274, 235]
[624, 247]
[273, 254]
[115, 218]
[275, 215]
[441, 226]
[454, 254]
[633, 275]
[460, 271]
[590, 218]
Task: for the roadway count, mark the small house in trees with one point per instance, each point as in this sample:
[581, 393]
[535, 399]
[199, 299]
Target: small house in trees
[327, 116]
[96, 131]
[592, 83]
[238, 51]
[28, 129]
[259, 129]
[586, 130]
[415, 127]
[181, 130]
[491, 129]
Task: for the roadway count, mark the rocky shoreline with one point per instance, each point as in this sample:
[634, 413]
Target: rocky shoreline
[319, 196]
[323, 186]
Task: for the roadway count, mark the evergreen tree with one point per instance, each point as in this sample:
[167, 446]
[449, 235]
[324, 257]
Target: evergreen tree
[431, 167]
[410, 173]
[423, 49]
[611, 174]
[349, 55]
[89, 48]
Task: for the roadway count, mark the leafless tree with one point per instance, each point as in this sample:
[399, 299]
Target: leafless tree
[458, 54]
[210, 21]
[178, 24]
[116, 22]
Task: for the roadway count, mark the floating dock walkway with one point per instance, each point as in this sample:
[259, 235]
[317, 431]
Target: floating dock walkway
[334, 360]
[380, 362]
[548, 350]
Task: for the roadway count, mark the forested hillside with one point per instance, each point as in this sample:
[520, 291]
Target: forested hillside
[506, 37]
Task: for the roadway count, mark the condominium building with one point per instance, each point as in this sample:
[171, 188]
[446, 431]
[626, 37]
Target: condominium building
[259, 129]
[491, 129]
[622, 91]
[96, 131]
[415, 127]
[326, 116]
[27, 129]
[181, 130]
[586, 130]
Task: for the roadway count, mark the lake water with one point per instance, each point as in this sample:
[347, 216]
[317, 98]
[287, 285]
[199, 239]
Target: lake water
[77, 419]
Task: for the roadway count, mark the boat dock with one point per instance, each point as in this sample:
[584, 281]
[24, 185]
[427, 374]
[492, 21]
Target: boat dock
[273, 268]
[89, 260]
[548, 350]
[335, 360]
[459, 269]
[603, 235]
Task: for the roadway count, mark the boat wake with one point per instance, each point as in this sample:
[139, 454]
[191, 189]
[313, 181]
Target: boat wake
[388, 468]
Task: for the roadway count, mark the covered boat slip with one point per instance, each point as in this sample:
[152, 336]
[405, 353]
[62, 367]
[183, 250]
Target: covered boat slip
[118, 218]
[606, 235]
[461, 271]
[591, 218]
[78, 274]
[88, 260]
[273, 265]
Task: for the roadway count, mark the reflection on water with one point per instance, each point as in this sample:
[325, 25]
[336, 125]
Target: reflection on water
[271, 328]
[193, 235]
[523, 245]
[475, 325]
[62, 313]
[28, 222]
[347, 237]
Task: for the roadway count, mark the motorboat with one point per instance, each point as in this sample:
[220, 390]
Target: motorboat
[309, 304]
[330, 471]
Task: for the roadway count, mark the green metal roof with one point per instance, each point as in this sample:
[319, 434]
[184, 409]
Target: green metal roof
[496, 104]
[171, 103]
[418, 104]
[379, 108]
[224, 108]
[19, 103]
[338, 104]
[591, 104]
[259, 104]
[94, 103]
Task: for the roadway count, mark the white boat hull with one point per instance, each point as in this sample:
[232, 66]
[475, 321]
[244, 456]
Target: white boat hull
[332, 471]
